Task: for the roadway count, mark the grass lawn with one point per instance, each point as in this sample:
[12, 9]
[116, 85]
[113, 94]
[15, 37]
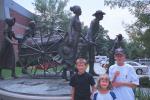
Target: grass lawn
[6, 73]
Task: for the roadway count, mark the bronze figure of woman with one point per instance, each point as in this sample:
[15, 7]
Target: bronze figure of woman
[71, 44]
[7, 54]
[74, 28]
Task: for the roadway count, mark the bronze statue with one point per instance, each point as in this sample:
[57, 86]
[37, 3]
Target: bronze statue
[7, 54]
[30, 32]
[72, 39]
[74, 27]
[91, 36]
[118, 43]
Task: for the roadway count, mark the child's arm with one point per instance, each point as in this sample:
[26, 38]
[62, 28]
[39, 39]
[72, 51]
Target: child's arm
[118, 84]
[133, 82]
[93, 89]
[72, 93]
[92, 83]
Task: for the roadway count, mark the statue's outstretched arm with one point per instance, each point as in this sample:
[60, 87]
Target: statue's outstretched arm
[6, 37]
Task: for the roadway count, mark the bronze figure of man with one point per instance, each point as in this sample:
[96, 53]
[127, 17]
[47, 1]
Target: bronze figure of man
[91, 36]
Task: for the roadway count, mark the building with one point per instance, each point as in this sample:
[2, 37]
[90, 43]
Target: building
[9, 8]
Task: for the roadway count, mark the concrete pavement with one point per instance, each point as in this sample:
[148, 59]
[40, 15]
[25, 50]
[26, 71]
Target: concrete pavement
[4, 95]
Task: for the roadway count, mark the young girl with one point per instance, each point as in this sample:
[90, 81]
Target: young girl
[104, 89]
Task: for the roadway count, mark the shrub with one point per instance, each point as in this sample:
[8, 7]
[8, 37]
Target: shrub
[142, 94]
[144, 81]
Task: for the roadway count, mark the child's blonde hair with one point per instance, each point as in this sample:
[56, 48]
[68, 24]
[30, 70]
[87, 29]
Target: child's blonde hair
[99, 80]
[81, 60]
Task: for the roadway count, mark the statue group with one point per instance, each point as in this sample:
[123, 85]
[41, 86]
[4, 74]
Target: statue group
[74, 35]
[69, 51]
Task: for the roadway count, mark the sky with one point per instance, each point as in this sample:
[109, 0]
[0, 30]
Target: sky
[112, 21]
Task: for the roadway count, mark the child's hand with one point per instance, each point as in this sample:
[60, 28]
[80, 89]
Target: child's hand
[117, 73]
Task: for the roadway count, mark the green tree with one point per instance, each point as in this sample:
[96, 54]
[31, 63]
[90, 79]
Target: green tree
[102, 39]
[51, 15]
[139, 31]
[133, 50]
[146, 42]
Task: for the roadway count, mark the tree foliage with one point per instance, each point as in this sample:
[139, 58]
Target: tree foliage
[134, 50]
[51, 15]
[102, 41]
[138, 32]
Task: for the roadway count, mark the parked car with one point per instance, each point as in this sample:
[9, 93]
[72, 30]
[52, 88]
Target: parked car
[98, 69]
[101, 59]
[143, 61]
[139, 68]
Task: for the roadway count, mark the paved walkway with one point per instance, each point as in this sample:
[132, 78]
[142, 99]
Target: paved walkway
[4, 95]
[42, 87]
[34, 89]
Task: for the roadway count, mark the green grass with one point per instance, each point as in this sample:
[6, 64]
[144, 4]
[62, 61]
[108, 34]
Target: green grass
[6, 73]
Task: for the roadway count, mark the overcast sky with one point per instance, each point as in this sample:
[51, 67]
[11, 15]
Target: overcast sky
[113, 20]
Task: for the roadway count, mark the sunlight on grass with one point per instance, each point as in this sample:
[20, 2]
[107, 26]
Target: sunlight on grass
[6, 73]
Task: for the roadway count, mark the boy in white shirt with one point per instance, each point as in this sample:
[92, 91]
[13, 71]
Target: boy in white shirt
[123, 77]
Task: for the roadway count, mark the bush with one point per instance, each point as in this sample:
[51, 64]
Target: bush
[142, 95]
[144, 81]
